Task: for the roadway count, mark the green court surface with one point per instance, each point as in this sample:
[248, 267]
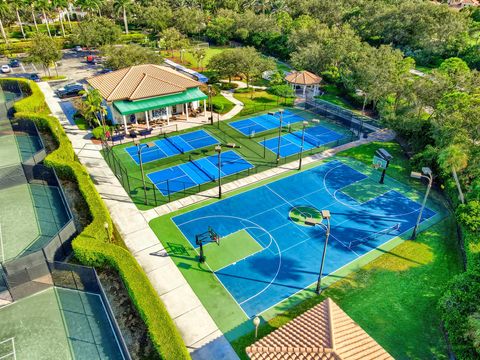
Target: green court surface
[228, 252]
[38, 215]
[18, 221]
[57, 324]
[9, 154]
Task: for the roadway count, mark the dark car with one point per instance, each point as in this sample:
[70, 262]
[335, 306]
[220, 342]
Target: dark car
[14, 63]
[34, 77]
[70, 90]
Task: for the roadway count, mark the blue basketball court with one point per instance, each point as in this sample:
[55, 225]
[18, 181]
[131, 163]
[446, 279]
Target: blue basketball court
[171, 146]
[265, 122]
[291, 251]
[196, 172]
[292, 143]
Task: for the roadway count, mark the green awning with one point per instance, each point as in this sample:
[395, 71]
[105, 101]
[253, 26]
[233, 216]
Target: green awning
[132, 107]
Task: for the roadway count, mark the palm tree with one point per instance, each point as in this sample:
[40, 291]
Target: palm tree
[92, 108]
[32, 7]
[67, 10]
[4, 11]
[17, 4]
[454, 158]
[44, 5]
[122, 6]
[90, 6]
[59, 5]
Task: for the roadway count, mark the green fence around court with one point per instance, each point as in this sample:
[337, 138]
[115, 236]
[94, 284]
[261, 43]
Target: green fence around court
[250, 148]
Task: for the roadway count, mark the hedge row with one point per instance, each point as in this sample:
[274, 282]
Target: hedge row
[17, 47]
[93, 247]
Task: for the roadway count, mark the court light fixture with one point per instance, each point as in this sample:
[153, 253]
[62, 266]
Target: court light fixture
[139, 152]
[326, 214]
[416, 175]
[316, 121]
[427, 174]
[218, 149]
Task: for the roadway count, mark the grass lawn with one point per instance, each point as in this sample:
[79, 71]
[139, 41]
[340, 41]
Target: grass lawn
[189, 60]
[81, 123]
[394, 297]
[219, 99]
[282, 67]
[261, 101]
[50, 78]
[332, 94]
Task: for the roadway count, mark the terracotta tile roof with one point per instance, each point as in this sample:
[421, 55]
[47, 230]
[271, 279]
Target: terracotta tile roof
[322, 333]
[303, 78]
[140, 82]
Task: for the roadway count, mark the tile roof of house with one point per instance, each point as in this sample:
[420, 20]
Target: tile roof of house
[303, 78]
[322, 333]
[140, 82]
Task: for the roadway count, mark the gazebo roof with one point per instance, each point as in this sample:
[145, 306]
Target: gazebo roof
[303, 78]
[141, 82]
[322, 333]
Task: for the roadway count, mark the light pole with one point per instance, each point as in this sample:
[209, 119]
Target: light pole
[326, 216]
[305, 123]
[139, 152]
[256, 323]
[211, 105]
[427, 174]
[218, 149]
[279, 132]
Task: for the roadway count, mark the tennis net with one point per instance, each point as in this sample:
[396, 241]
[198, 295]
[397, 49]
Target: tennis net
[200, 167]
[174, 145]
[308, 138]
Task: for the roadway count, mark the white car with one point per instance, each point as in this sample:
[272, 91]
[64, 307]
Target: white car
[78, 48]
[5, 69]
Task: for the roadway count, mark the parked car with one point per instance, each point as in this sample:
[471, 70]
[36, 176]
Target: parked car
[5, 69]
[78, 48]
[14, 63]
[34, 77]
[70, 90]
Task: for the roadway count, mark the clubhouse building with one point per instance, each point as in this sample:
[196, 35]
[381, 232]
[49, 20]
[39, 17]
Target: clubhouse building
[144, 96]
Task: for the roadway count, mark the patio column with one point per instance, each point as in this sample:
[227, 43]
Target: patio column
[125, 123]
[168, 116]
[205, 109]
[186, 110]
[146, 119]
[304, 89]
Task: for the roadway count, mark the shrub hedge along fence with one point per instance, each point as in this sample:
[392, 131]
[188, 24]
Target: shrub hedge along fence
[92, 246]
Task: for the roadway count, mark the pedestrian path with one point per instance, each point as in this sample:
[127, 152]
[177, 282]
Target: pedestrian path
[199, 332]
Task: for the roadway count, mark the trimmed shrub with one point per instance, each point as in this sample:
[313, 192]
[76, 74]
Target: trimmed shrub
[93, 247]
[133, 38]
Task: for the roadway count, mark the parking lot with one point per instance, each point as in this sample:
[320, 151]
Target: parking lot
[73, 65]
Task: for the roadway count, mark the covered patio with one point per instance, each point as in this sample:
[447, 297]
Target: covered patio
[147, 96]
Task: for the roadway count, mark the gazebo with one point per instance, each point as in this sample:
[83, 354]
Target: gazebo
[304, 80]
[322, 333]
[143, 94]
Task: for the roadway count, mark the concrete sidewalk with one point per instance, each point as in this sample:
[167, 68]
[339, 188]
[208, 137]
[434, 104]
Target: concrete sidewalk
[199, 332]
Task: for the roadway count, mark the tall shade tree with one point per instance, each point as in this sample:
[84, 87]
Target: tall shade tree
[121, 6]
[44, 5]
[96, 31]
[118, 57]
[17, 5]
[454, 158]
[44, 50]
[4, 11]
[59, 6]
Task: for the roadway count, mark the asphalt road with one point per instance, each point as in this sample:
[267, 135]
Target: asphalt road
[72, 65]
